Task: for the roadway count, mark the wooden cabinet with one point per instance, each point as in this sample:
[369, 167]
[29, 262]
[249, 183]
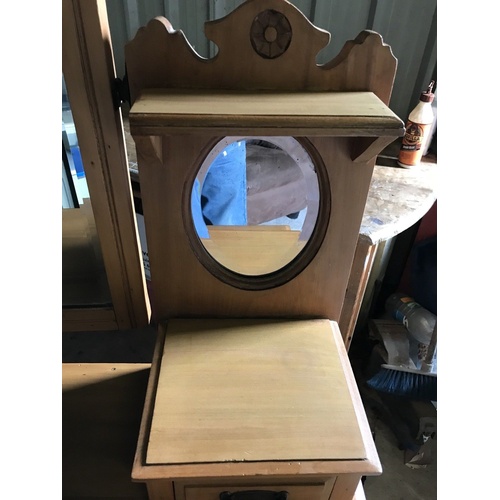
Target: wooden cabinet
[241, 405]
[251, 388]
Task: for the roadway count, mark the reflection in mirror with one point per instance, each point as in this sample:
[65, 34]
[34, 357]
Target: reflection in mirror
[255, 203]
[74, 182]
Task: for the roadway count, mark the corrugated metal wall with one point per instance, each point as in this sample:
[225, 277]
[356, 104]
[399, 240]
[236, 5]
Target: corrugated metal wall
[409, 27]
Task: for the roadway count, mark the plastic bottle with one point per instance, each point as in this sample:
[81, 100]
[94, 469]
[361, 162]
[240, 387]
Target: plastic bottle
[418, 321]
[418, 128]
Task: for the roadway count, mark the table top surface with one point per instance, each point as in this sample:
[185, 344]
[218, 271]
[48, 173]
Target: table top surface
[253, 390]
[397, 199]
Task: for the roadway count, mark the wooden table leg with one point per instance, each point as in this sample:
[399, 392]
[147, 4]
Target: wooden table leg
[358, 279]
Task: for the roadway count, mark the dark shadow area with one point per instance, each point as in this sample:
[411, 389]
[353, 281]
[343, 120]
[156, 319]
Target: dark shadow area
[126, 346]
[100, 427]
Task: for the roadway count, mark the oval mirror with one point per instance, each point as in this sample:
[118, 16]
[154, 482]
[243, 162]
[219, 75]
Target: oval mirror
[254, 203]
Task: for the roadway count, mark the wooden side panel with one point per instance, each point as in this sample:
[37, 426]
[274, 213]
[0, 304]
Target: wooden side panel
[360, 492]
[364, 426]
[147, 412]
[345, 487]
[358, 279]
[161, 490]
[88, 69]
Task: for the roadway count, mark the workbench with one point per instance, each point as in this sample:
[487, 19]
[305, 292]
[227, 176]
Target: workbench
[397, 199]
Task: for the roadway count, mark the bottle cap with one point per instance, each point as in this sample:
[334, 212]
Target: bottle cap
[427, 95]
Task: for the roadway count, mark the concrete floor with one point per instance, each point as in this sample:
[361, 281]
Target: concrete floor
[398, 481]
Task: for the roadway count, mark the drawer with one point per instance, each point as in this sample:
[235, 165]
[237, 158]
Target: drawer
[309, 491]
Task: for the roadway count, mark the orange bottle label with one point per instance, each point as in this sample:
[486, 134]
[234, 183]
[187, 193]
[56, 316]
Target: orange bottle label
[413, 141]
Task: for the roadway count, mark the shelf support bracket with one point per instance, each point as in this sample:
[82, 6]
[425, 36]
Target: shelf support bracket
[364, 149]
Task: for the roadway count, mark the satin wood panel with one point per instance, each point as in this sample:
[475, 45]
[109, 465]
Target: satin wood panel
[409, 27]
[183, 287]
[161, 57]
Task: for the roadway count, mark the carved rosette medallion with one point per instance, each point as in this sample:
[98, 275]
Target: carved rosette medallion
[270, 34]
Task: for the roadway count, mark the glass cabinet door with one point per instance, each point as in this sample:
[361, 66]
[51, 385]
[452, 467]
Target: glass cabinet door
[84, 281]
[74, 186]
[104, 285]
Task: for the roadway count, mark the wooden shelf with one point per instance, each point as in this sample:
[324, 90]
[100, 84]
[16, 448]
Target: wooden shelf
[351, 114]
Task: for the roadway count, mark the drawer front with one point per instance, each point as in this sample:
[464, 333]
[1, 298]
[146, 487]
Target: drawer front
[310, 491]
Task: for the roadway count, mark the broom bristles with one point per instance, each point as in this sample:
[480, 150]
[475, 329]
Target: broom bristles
[399, 382]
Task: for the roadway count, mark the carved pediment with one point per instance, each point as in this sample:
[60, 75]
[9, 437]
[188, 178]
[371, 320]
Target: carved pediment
[261, 45]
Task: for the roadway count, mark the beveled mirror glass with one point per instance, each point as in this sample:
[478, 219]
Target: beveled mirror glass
[255, 202]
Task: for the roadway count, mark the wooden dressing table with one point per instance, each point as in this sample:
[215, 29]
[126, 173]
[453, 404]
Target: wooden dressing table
[251, 394]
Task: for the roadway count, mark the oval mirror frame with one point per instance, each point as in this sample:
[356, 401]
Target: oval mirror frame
[315, 223]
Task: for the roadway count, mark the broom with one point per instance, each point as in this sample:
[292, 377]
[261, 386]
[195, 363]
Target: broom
[408, 382]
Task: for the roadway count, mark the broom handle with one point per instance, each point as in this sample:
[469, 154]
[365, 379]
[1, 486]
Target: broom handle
[431, 349]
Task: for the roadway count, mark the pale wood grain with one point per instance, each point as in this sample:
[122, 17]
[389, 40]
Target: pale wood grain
[357, 83]
[306, 113]
[345, 487]
[269, 401]
[358, 279]
[362, 420]
[252, 391]
[360, 492]
[253, 250]
[183, 286]
[147, 410]
[161, 57]
[158, 476]
[88, 68]
[217, 103]
[308, 470]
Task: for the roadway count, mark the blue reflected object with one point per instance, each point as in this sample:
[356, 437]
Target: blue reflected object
[77, 161]
[222, 200]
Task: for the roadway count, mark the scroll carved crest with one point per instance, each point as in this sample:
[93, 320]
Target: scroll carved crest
[261, 45]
